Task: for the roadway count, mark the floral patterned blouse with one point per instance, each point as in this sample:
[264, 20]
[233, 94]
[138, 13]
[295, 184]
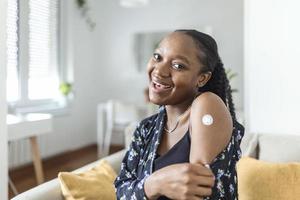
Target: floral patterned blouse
[138, 161]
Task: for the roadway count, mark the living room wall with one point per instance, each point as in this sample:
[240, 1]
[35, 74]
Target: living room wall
[272, 66]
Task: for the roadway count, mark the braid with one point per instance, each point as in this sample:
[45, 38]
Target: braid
[226, 88]
[230, 102]
[219, 84]
[216, 84]
[209, 57]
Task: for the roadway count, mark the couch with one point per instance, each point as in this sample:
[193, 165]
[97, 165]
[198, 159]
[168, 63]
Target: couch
[51, 189]
[268, 147]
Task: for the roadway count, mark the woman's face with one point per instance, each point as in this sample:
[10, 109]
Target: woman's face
[173, 70]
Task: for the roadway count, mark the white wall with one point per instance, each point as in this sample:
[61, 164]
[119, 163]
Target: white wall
[3, 107]
[272, 49]
[103, 60]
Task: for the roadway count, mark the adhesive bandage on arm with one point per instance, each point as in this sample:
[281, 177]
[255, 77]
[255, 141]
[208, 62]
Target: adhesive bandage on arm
[207, 120]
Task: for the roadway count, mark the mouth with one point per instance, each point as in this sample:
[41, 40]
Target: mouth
[159, 87]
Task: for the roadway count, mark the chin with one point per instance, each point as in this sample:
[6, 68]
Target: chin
[155, 101]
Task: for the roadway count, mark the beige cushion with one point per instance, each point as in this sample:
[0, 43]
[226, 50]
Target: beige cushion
[96, 183]
[279, 148]
[260, 180]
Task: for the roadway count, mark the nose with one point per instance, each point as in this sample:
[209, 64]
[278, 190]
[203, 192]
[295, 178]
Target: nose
[161, 70]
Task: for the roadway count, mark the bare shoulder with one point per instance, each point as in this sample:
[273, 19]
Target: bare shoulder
[211, 127]
[212, 104]
[208, 99]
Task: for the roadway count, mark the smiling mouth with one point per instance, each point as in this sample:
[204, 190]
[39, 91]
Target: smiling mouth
[157, 87]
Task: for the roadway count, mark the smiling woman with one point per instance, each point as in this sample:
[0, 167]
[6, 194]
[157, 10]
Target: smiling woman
[194, 135]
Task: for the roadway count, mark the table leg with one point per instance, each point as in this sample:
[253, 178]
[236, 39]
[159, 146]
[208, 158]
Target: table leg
[12, 186]
[37, 162]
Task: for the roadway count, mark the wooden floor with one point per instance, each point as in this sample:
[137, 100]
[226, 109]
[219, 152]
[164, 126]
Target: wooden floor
[24, 178]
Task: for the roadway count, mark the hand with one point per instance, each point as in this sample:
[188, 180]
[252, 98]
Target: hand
[180, 181]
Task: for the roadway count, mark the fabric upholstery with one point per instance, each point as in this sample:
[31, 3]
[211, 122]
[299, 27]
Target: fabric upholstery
[261, 180]
[96, 183]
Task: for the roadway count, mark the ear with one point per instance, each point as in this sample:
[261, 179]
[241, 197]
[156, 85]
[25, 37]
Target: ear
[203, 78]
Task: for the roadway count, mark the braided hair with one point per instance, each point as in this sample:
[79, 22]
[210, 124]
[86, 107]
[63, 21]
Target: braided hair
[209, 57]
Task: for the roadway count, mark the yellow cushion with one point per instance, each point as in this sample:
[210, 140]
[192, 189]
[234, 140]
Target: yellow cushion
[260, 180]
[94, 184]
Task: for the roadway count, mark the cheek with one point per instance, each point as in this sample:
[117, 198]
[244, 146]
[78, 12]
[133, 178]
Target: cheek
[149, 67]
[185, 84]
[181, 81]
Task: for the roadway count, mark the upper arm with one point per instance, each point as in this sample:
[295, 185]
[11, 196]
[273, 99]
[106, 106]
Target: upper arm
[207, 141]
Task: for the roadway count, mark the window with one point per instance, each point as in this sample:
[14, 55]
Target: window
[32, 52]
[12, 50]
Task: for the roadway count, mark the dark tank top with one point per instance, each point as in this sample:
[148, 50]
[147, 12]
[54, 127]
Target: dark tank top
[179, 153]
[223, 166]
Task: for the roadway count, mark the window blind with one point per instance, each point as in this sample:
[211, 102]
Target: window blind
[42, 78]
[12, 50]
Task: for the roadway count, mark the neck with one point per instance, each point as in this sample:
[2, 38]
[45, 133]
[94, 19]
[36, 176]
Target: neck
[174, 111]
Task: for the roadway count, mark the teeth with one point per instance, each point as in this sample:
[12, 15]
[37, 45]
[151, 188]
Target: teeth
[163, 86]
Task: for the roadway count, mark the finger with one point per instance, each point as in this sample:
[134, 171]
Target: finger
[193, 197]
[201, 170]
[201, 191]
[206, 181]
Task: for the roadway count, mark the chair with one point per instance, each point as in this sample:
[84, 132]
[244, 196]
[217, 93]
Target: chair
[113, 117]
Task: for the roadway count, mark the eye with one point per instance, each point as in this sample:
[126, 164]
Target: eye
[156, 57]
[178, 66]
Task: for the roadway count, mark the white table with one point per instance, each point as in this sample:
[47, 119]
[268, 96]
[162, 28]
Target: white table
[29, 126]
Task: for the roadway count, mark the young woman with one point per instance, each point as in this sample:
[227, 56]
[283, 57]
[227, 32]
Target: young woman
[189, 149]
